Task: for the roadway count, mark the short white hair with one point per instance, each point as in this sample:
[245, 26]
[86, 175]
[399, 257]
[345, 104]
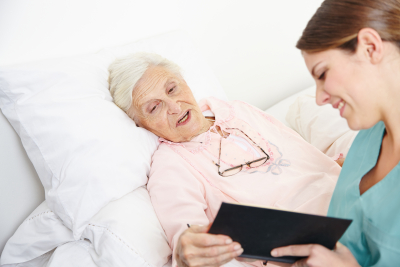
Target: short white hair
[126, 72]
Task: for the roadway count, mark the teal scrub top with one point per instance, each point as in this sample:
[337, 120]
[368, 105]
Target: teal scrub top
[374, 235]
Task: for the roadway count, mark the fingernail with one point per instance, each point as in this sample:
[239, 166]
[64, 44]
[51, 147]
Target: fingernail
[228, 241]
[240, 251]
[274, 253]
[236, 247]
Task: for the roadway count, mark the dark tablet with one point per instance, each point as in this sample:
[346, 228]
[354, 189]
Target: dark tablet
[259, 230]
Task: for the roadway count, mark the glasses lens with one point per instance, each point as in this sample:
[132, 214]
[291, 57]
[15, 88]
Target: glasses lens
[258, 162]
[232, 171]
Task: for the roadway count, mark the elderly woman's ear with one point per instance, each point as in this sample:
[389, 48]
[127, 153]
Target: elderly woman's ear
[133, 117]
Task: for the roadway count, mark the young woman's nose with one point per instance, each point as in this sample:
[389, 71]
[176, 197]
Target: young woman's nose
[322, 97]
[174, 107]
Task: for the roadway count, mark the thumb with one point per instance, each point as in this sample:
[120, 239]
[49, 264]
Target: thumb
[340, 247]
[300, 263]
[199, 228]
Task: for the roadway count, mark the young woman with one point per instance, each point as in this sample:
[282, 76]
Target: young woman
[352, 49]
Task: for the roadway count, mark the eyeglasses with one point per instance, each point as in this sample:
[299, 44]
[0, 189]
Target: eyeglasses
[237, 169]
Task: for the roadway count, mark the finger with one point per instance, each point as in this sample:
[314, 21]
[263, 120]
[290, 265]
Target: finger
[338, 246]
[215, 251]
[341, 249]
[218, 260]
[207, 240]
[294, 250]
[300, 263]
[340, 162]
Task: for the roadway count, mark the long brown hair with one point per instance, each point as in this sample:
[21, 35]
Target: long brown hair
[337, 22]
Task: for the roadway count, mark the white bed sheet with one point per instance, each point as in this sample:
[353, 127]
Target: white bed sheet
[75, 254]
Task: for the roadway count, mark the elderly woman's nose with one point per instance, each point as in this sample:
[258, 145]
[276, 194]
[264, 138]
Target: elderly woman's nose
[174, 107]
[322, 97]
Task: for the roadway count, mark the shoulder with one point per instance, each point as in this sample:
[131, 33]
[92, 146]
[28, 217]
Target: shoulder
[229, 109]
[169, 159]
[164, 155]
[248, 108]
[257, 117]
[216, 104]
[163, 150]
[171, 174]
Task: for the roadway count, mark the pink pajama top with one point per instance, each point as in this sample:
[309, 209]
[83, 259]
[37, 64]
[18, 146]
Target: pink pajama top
[185, 187]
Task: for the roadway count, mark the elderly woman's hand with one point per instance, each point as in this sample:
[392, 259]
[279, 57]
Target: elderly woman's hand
[197, 248]
[318, 255]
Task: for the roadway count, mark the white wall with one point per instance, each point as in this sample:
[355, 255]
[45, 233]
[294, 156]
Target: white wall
[248, 43]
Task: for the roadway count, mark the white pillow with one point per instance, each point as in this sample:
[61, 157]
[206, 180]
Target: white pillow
[70, 254]
[321, 126]
[86, 151]
[124, 233]
[280, 109]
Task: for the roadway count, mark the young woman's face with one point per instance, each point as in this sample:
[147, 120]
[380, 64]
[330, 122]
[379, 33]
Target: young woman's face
[349, 82]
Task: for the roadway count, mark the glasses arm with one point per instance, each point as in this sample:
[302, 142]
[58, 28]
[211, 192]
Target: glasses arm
[264, 152]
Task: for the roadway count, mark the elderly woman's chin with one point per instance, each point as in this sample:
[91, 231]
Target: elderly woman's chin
[186, 131]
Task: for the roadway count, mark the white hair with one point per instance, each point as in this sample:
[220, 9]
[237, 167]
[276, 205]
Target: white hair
[126, 72]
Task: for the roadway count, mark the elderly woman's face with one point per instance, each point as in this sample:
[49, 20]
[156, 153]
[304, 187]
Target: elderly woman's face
[164, 104]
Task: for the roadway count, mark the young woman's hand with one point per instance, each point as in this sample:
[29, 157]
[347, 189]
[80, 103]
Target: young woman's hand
[340, 161]
[197, 248]
[318, 255]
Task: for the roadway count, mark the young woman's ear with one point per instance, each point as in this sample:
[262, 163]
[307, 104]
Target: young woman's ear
[370, 45]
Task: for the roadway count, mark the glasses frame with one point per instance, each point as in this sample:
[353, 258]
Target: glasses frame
[239, 166]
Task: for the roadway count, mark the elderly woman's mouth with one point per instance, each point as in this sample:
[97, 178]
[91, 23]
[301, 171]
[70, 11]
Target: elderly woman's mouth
[185, 119]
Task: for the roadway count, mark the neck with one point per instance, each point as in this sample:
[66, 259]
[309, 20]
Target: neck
[391, 118]
[390, 99]
[392, 125]
[207, 123]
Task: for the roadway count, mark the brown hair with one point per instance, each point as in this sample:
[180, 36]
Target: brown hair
[337, 22]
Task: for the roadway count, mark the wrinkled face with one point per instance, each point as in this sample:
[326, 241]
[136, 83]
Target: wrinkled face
[349, 83]
[164, 104]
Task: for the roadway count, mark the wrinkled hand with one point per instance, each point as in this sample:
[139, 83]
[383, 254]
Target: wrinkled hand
[318, 255]
[197, 248]
[245, 259]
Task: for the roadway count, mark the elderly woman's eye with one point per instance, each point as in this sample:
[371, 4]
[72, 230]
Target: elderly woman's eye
[154, 108]
[171, 90]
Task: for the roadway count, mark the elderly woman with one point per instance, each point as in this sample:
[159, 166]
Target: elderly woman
[237, 154]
